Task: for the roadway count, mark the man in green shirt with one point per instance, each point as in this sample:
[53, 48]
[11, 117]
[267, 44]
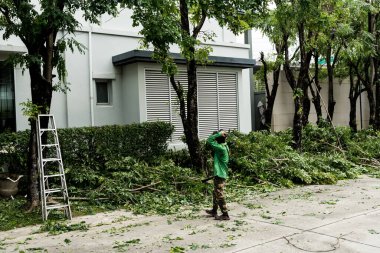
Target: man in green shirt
[221, 156]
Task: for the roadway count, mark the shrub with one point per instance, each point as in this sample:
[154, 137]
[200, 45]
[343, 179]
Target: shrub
[326, 157]
[86, 150]
[13, 150]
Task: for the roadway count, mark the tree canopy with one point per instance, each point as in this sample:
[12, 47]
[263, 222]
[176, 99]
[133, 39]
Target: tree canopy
[36, 24]
[168, 23]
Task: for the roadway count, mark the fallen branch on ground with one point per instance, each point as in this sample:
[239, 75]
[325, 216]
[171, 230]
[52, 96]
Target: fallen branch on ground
[144, 187]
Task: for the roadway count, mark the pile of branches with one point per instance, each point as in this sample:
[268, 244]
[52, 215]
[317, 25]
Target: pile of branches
[328, 154]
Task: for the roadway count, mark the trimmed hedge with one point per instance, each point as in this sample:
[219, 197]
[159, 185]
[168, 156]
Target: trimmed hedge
[91, 147]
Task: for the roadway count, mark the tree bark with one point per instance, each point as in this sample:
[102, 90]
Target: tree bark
[299, 91]
[377, 92]
[191, 120]
[306, 103]
[352, 97]
[330, 73]
[270, 94]
[376, 65]
[41, 91]
[33, 192]
[317, 93]
[371, 70]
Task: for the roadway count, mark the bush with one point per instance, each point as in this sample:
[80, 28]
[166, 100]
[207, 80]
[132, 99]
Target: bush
[86, 150]
[328, 155]
[13, 152]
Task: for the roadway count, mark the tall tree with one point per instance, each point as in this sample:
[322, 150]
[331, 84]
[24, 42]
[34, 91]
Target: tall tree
[180, 22]
[274, 25]
[334, 17]
[37, 24]
[315, 88]
[270, 89]
[358, 47]
[374, 29]
[305, 16]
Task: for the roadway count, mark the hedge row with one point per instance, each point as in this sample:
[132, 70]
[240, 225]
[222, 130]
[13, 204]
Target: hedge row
[91, 147]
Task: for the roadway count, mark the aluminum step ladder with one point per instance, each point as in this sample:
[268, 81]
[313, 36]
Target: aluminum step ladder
[50, 166]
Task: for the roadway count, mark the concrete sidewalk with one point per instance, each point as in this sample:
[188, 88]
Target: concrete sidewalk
[322, 218]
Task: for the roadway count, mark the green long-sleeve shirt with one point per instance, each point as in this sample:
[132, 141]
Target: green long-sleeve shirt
[221, 156]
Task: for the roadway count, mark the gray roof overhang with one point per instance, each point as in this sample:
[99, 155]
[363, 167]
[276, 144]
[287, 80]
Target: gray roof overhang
[146, 56]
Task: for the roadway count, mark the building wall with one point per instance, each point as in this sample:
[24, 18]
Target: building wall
[131, 94]
[115, 35]
[283, 112]
[244, 106]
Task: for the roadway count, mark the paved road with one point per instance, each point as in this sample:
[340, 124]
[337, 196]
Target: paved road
[340, 218]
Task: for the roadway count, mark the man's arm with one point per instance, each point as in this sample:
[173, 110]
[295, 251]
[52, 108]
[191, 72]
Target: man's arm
[212, 140]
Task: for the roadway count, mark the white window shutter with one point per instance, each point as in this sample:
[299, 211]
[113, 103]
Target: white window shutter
[157, 96]
[228, 104]
[207, 104]
[217, 101]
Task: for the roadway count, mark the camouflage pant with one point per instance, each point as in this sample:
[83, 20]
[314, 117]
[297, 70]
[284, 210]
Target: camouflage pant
[218, 195]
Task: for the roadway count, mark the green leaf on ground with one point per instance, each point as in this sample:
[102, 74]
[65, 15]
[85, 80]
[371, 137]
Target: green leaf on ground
[374, 232]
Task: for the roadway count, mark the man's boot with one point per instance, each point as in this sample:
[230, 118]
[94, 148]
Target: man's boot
[212, 212]
[224, 216]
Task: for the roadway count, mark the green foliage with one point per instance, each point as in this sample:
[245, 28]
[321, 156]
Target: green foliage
[13, 150]
[56, 227]
[31, 110]
[86, 150]
[328, 155]
[162, 25]
[143, 188]
[11, 217]
[102, 167]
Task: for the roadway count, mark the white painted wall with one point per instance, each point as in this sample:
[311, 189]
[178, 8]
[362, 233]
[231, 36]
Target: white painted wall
[115, 35]
[284, 107]
[130, 94]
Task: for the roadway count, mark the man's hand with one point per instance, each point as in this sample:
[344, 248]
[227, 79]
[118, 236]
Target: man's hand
[223, 133]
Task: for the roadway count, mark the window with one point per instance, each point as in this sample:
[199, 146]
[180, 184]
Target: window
[103, 92]
[7, 98]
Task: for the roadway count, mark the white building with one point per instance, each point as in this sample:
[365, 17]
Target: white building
[115, 83]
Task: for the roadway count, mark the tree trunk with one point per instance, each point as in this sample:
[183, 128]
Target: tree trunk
[191, 131]
[41, 90]
[330, 73]
[371, 71]
[317, 93]
[352, 122]
[271, 99]
[300, 90]
[371, 102]
[377, 75]
[33, 196]
[270, 95]
[305, 105]
[352, 97]
[191, 122]
[377, 107]
[297, 123]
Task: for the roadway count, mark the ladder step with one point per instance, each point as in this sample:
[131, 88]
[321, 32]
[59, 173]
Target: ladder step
[49, 145]
[47, 129]
[56, 206]
[52, 159]
[48, 191]
[53, 175]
